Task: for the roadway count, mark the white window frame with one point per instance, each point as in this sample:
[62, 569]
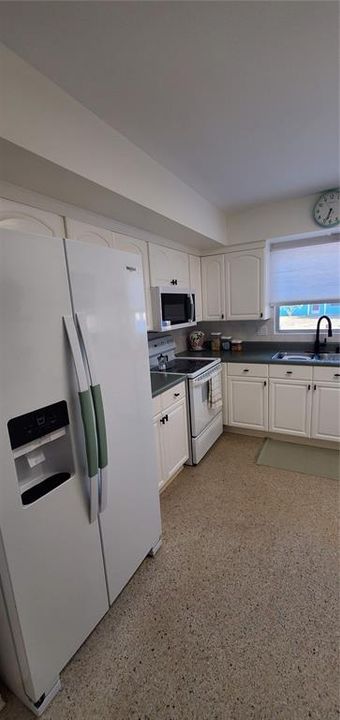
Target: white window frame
[299, 331]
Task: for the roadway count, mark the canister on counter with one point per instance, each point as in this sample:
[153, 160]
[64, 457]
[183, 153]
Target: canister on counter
[226, 342]
[236, 345]
[216, 341]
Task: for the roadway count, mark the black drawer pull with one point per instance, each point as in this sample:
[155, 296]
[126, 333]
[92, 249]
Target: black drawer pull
[44, 487]
[246, 370]
[289, 372]
[336, 374]
[177, 394]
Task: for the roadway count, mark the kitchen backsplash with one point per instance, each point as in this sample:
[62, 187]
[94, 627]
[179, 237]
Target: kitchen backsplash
[247, 330]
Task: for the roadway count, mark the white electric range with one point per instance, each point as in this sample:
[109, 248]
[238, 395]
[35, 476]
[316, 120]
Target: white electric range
[205, 423]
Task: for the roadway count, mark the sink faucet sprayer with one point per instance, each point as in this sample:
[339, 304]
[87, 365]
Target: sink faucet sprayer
[317, 337]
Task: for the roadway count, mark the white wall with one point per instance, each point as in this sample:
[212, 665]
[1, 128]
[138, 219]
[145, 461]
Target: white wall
[40, 117]
[275, 219]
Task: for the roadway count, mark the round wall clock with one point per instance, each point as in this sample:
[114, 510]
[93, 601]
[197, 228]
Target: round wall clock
[326, 210]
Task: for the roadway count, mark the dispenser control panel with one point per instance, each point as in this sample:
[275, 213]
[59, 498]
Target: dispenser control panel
[33, 425]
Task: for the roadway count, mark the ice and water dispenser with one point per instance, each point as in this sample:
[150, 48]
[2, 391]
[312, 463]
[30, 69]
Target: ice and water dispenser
[42, 450]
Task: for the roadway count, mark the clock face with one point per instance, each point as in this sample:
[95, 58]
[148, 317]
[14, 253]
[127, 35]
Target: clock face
[326, 211]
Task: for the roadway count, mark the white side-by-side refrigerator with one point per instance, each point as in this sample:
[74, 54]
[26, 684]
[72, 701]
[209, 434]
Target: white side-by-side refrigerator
[79, 504]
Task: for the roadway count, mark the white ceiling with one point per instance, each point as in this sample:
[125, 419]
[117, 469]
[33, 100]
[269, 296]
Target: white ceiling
[238, 99]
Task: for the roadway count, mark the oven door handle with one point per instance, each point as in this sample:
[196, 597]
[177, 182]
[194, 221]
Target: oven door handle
[197, 382]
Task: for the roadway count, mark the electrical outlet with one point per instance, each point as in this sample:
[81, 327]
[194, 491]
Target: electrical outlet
[262, 330]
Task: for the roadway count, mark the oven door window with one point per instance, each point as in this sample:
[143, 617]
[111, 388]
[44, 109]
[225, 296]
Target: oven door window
[176, 307]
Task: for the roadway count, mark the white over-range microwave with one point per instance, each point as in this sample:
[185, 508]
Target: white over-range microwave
[172, 308]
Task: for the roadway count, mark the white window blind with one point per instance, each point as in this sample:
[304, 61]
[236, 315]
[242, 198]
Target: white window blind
[302, 272]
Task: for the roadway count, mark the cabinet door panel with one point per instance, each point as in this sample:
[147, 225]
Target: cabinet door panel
[23, 218]
[248, 403]
[174, 439]
[195, 283]
[180, 267]
[290, 407]
[326, 412]
[244, 279]
[76, 230]
[167, 265]
[139, 247]
[213, 287]
[157, 427]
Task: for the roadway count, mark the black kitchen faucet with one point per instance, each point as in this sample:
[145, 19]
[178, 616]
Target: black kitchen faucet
[317, 337]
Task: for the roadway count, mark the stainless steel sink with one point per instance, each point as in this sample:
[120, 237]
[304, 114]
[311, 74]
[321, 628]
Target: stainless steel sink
[307, 357]
[292, 357]
[329, 357]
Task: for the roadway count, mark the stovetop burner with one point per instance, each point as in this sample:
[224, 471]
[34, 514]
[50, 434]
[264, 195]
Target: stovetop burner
[186, 365]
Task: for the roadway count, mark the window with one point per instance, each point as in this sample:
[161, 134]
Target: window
[304, 317]
[305, 283]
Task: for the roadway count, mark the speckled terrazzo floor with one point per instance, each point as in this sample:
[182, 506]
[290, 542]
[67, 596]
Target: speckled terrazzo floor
[235, 618]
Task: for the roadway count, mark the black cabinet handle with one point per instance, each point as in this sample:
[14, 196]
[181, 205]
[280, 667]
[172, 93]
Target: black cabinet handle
[289, 372]
[222, 316]
[336, 374]
[166, 418]
[177, 394]
[173, 282]
[162, 420]
[261, 314]
[246, 370]
[265, 383]
[309, 387]
[314, 388]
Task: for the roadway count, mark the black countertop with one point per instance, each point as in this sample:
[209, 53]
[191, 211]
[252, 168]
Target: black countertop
[161, 381]
[253, 352]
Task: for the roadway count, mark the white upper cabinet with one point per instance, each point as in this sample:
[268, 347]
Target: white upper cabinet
[195, 283]
[168, 267]
[326, 412]
[76, 230]
[246, 285]
[15, 216]
[140, 248]
[213, 287]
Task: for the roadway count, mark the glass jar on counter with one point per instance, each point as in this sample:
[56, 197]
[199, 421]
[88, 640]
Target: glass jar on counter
[226, 342]
[236, 345]
[216, 341]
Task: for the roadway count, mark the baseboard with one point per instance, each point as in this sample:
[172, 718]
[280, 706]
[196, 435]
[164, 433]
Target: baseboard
[284, 438]
[168, 482]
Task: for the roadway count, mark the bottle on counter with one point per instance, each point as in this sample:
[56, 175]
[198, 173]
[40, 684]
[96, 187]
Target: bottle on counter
[226, 342]
[216, 341]
[236, 345]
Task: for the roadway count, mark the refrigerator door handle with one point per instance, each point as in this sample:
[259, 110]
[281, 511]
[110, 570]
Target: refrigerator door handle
[86, 409]
[98, 409]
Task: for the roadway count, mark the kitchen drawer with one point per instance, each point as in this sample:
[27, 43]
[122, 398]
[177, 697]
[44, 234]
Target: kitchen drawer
[169, 397]
[326, 374]
[156, 405]
[290, 372]
[258, 370]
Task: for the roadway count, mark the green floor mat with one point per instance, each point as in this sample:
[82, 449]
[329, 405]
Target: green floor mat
[300, 458]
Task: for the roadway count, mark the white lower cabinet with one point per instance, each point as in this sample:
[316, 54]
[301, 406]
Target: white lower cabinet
[225, 411]
[248, 402]
[290, 407]
[174, 439]
[297, 400]
[157, 432]
[171, 432]
[326, 412]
